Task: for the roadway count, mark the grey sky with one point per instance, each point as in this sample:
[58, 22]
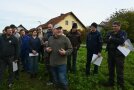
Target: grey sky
[29, 12]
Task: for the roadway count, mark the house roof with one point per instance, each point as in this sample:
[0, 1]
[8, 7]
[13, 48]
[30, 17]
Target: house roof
[58, 19]
[21, 26]
[103, 23]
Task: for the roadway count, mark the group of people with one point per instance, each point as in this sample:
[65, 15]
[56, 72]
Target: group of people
[59, 52]
[16, 47]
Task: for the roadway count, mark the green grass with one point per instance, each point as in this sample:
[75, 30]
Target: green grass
[77, 81]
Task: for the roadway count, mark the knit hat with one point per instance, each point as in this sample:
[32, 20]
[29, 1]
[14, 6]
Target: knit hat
[74, 25]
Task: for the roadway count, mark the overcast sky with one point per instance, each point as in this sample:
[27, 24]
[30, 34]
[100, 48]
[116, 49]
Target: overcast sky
[30, 12]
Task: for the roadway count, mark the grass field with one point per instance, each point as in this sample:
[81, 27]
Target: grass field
[77, 81]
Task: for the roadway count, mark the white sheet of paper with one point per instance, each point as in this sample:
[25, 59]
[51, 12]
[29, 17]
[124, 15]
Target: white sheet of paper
[31, 54]
[15, 67]
[96, 60]
[124, 50]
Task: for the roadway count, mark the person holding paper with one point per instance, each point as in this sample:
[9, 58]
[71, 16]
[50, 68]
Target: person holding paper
[8, 54]
[115, 57]
[94, 46]
[35, 45]
[17, 35]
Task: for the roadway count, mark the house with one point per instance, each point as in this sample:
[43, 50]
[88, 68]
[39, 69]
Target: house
[66, 21]
[21, 27]
[102, 25]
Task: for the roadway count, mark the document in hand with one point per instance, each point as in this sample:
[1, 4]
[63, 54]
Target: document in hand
[96, 60]
[15, 66]
[31, 54]
[124, 50]
[129, 44]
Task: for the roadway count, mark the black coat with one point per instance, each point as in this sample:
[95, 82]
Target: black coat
[94, 42]
[75, 38]
[9, 47]
[113, 40]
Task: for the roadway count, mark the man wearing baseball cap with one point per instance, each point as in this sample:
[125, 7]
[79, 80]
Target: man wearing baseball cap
[59, 46]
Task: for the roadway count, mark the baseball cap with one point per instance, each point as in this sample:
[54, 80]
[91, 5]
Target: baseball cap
[57, 26]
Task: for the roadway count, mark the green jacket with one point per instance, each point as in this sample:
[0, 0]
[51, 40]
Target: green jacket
[56, 44]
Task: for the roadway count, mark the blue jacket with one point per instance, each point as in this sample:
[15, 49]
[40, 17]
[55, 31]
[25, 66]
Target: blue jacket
[24, 45]
[35, 44]
[94, 42]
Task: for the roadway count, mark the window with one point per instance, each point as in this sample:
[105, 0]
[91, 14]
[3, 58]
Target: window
[66, 22]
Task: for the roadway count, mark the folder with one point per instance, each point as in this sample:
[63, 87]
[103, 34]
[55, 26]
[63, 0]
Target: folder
[124, 50]
[129, 45]
[15, 66]
[96, 59]
[31, 54]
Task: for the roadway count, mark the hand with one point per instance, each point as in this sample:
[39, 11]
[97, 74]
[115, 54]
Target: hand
[16, 61]
[34, 52]
[62, 51]
[99, 54]
[49, 49]
[110, 37]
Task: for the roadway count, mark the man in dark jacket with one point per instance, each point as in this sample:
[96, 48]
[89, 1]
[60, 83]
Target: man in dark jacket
[94, 46]
[8, 54]
[17, 35]
[48, 34]
[115, 57]
[75, 37]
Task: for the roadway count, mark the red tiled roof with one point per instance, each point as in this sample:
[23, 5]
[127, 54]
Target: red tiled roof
[56, 20]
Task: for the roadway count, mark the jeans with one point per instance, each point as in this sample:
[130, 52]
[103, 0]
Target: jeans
[71, 62]
[88, 64]
[25, 62]
[59, 75]
[33, 64]
[4, 63]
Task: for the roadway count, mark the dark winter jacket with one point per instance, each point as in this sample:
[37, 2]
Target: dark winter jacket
[114, 39]
[75, 38]
[35, 44]
[47, 35]
[9, 47]
[94, 42]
